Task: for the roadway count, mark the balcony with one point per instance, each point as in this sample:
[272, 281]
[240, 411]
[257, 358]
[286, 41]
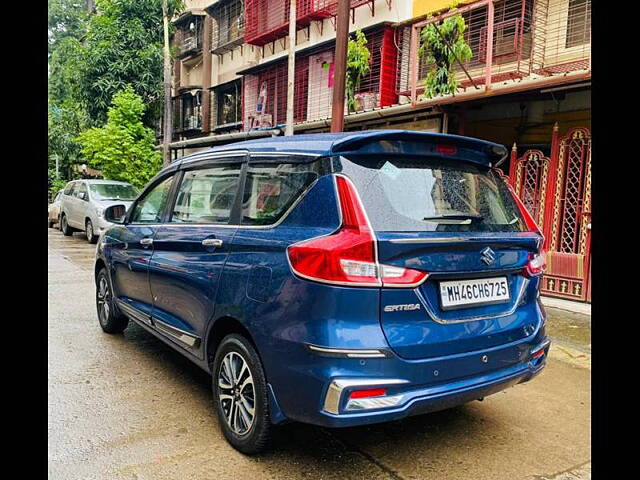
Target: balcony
[510, 40]
[228, 25]
[268, 20]
[188, 35]
[265, 88]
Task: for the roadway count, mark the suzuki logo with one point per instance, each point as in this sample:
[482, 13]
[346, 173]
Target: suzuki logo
[488, 256]
[400, 308]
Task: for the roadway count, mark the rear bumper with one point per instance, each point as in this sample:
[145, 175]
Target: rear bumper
[439, 397]
[411, 387]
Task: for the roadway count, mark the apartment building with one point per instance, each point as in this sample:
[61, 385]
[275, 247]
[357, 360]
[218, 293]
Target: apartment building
[526, 85]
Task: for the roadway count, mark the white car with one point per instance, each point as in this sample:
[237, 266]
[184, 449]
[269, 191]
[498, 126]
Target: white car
[83, 203]
[54, 210]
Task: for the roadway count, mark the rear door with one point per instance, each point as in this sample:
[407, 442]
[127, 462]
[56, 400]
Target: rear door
[66, 201]
[80, 203]
[458, 222]
[191, 249]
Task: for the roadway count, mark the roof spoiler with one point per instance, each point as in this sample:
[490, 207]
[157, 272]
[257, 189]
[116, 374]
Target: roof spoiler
[423, 143]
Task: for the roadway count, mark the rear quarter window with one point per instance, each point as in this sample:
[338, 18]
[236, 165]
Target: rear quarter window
[272, 188]
[417, 194]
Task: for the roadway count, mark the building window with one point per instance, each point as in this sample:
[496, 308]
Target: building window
[265, 97]
[228, 25]
[228, 106]
[578, 23]
[188, 111]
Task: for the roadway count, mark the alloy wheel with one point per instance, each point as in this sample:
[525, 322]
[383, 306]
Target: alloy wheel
[236, 393]
[104, 300]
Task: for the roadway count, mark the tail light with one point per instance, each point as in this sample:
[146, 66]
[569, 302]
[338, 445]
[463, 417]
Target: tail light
[536, 262]
[446, 149]
[348, 256]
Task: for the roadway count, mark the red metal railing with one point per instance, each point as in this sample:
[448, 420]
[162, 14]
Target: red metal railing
[265, 91]
[509, 40]
[268, 20]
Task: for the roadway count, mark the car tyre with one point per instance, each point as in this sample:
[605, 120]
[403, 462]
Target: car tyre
[111, 320]
[91, 236]
[239, 383]
[67, 231]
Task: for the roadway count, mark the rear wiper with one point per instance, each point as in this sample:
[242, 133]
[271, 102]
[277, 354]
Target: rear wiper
[470, 217]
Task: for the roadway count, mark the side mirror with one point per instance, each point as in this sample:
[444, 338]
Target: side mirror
[82, 195]
[115, 214]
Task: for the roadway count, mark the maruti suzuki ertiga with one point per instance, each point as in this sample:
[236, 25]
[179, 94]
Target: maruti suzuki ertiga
[334, 279]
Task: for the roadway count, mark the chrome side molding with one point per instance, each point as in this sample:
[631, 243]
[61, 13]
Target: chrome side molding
[134, 314]
[186, 339]
[181, 336]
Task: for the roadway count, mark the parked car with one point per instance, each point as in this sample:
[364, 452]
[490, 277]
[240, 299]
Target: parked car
[334, 279]
[53, 215]
[84, 201]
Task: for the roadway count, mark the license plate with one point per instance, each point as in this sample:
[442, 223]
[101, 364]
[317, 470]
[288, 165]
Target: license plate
[469, 293]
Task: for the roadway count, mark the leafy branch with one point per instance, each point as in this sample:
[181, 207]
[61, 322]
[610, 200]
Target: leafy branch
[441, 44]
[358, 56]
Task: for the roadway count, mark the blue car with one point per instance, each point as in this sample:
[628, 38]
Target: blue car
[334, 279]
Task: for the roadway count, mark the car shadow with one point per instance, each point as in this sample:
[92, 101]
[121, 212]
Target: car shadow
[318, 444]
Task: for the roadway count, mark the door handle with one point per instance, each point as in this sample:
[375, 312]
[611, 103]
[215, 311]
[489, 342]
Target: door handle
[146, 241]
[212, 242]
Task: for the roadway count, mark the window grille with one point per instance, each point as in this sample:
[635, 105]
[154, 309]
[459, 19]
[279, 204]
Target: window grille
[228, 25]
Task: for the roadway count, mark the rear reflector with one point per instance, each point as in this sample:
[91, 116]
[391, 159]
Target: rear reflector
[538, 354]
[370, 392]
[348, 256]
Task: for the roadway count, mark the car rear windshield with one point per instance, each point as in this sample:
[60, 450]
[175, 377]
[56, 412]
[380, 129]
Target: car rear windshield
[113, 191]
[417, 194]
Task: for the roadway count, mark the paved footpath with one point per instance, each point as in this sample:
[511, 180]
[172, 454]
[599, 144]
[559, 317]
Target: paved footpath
[129, 407]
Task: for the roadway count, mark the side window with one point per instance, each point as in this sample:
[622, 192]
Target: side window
[271, 189]
[68, 188]
[81, 191]
[207, 195]
[149, 208]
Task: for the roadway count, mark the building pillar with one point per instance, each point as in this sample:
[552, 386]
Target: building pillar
[206, 74]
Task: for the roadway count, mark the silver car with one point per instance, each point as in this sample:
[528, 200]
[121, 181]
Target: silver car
[54, 210]
[84, 201]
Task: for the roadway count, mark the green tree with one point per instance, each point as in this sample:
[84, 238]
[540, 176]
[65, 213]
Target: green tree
[358, 56]
[123, 46]
[67, 19]
[441, 44]
[65, 124]
[123, 148]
